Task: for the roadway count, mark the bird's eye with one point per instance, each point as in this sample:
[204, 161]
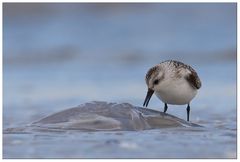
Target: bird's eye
[156, 81]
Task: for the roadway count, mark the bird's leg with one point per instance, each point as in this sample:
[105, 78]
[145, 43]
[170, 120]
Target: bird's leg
[165, 108]
[188, 112]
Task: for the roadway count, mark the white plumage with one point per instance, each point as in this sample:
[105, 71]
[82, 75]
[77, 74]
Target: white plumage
[173, 82]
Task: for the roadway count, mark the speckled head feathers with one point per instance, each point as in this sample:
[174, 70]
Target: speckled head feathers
[152, 71]
[177, 70]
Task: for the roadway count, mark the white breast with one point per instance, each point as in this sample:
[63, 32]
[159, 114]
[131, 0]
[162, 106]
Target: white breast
[175, 91]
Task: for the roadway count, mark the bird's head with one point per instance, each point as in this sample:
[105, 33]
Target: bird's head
[153, 80]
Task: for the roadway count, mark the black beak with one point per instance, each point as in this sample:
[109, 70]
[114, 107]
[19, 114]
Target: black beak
[148, 97]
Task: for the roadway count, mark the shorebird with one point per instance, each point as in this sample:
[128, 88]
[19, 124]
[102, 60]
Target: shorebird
[173, 82]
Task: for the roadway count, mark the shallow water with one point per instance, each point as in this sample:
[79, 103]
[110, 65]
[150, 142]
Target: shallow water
[160, 143]
[98, 130]
[53, 62]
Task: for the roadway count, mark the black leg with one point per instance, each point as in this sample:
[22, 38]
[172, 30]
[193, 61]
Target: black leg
[165, 108]
[188, 112]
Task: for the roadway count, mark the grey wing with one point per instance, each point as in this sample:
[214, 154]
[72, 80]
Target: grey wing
[194, 80]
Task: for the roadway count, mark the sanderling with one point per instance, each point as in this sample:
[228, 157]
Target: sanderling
[173, 82]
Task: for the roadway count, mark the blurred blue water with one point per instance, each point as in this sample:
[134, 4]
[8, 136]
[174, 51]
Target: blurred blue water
[57, 56]
[110, 30]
